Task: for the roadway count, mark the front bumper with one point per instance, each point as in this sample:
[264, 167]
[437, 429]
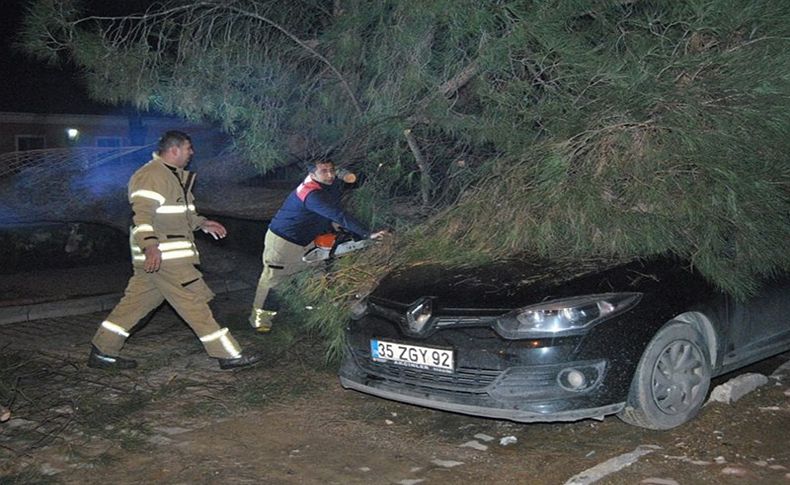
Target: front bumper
[523, 393]
[556, 379]
[483, 407]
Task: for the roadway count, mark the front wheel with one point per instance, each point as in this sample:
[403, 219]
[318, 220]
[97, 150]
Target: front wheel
[672, 379]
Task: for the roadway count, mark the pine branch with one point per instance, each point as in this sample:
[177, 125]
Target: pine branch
[425, 169]
[452, 85]
[312, 51]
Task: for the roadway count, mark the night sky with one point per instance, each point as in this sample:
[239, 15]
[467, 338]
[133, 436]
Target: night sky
[27, 85]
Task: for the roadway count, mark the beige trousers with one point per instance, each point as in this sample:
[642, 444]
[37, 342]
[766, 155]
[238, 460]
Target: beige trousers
[183, 287]
[281, 260]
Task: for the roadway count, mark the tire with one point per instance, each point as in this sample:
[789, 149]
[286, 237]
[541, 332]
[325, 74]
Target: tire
[672, 379]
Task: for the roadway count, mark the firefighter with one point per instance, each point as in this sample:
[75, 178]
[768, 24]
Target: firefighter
[313, 208]
[164, 258]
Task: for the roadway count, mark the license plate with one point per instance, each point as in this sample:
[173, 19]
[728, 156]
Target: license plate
[411, 355]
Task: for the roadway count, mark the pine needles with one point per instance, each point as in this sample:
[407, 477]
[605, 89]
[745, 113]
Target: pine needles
[560, 128]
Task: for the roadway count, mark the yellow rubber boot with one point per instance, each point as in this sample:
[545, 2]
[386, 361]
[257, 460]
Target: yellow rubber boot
[261, 320]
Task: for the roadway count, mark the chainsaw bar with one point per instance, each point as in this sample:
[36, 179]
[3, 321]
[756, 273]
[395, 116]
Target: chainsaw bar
[322, 254]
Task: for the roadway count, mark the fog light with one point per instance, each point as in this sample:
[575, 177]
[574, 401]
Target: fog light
[576, 379]
[573, 379]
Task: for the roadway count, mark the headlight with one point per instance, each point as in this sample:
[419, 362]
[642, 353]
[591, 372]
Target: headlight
[561, 317]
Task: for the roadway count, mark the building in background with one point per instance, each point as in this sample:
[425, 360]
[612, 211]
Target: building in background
[36, 131]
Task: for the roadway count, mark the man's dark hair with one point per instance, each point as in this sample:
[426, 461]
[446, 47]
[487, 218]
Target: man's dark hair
[172, 138]
[312, 166]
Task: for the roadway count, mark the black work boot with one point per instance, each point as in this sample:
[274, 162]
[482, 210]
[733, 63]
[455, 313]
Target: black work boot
[98, 360]
[240, 361]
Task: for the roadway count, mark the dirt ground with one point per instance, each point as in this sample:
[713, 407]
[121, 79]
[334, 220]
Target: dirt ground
[178, 419]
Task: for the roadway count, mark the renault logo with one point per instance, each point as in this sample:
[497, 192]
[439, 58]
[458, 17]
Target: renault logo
[419, 314]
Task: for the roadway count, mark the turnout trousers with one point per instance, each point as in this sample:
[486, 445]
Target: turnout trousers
[183, 287]
[281, 260]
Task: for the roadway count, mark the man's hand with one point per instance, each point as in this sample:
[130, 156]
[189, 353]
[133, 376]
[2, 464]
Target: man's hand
[153, 259]
[214, 228]
[379, 235]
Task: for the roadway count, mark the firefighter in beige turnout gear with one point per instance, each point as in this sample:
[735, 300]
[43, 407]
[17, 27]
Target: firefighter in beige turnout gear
[164, 256]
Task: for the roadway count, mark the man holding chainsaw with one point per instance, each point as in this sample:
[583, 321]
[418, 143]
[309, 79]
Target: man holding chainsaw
[313, 208]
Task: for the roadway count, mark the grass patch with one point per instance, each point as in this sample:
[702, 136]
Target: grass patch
[281, 385]
[98, 414]
[76, 454]
[134, 438]
[204, 409]
[174, 388]
[27, 477]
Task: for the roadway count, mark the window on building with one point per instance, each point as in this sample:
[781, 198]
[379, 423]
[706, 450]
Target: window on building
[108, 141]
[30, 142]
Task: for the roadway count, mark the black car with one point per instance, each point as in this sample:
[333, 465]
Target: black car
[545, 341]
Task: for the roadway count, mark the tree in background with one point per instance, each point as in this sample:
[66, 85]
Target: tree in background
[627, 128]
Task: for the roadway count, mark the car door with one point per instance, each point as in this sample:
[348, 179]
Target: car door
[760, 326]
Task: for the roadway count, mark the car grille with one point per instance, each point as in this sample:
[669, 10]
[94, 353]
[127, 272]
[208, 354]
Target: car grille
[461, 380]
[398, 315]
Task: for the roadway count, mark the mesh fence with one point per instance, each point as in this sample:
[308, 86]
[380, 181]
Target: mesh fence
[80, 183]
[47, 163]
[89, 185]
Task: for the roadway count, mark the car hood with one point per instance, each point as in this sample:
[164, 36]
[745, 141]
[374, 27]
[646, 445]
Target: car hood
[497, 287]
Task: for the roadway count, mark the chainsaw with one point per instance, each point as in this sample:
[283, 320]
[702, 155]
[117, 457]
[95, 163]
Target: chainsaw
[333, 245]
